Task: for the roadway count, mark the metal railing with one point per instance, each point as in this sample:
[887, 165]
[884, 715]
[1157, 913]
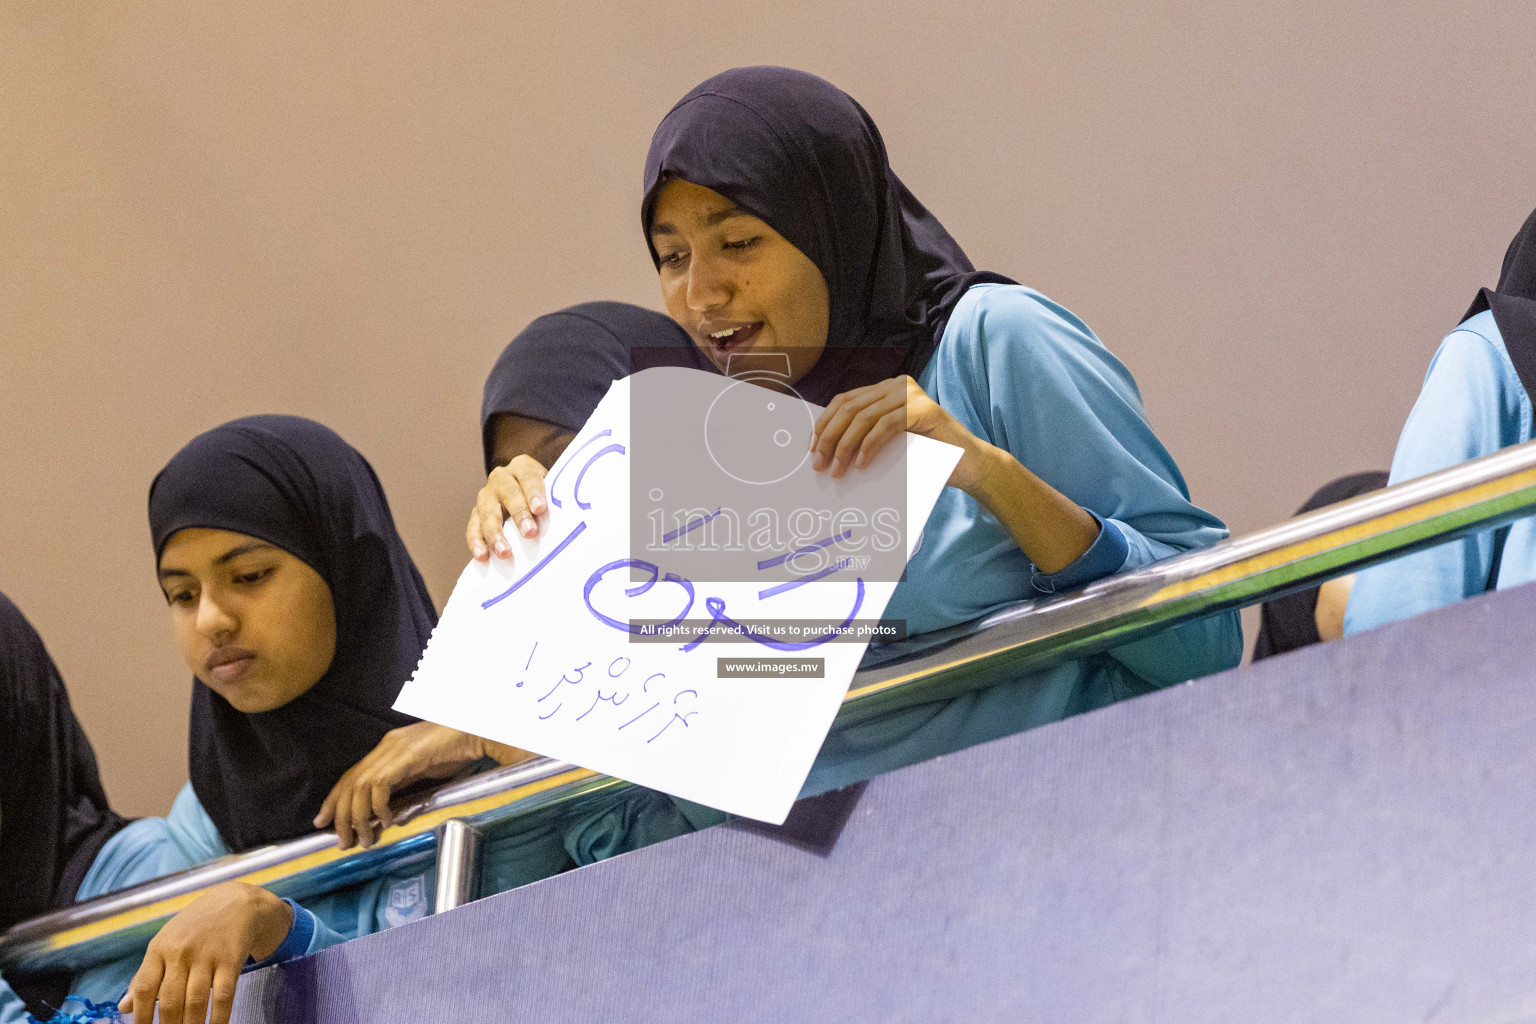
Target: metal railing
[1025, 637]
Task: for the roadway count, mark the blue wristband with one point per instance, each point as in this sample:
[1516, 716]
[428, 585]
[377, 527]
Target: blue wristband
[296, 943]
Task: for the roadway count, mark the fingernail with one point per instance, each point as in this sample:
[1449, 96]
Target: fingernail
[479, 551]
[537, 505]
[837, 467]
[862, 460]
[819, 463]
[526, 526]
[503, 549]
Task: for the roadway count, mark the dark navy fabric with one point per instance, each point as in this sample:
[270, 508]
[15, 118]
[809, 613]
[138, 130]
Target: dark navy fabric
[296, 484]
[54, 816]
[1344, 834]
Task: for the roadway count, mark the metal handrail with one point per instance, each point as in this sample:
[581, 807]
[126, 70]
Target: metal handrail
[120, 922]
[1028, 636]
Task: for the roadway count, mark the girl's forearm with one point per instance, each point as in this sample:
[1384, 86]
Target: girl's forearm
[1049, 527]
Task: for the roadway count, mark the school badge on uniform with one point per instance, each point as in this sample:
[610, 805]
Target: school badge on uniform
[407, 902]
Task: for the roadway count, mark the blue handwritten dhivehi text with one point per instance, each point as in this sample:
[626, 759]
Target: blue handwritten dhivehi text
[677, 709]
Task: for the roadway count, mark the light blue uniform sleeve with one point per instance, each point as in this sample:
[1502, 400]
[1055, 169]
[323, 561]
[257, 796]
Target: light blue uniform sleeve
[1065, 407]
[12, 1009]
[1042, 386]
[192, 831]
[1472, 404]
[152, 847]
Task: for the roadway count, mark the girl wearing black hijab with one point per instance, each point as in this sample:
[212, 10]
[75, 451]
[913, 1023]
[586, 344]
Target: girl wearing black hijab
[544, 386]
[779, 231]
[1475, 400]
[273, 506]
[777, 226]
[60, 841]
[541, 390]
[301, 614]
[55, 822]
[550, 377]
[54, 816]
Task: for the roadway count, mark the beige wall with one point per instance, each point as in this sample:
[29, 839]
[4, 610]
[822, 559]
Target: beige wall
[1272, 212]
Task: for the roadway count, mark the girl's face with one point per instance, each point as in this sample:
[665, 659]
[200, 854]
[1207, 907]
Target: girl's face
[736, 285]
[255, 623]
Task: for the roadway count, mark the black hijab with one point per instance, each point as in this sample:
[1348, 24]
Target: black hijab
[1514, 304]
[54, 817]
[560, 366]
[1289, 622]
[801, 155]
[296, 484]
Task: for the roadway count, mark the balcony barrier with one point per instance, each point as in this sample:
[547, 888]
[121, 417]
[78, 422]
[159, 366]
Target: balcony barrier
[1029, 636]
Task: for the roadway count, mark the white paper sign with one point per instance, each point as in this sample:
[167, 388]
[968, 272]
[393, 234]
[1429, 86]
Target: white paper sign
[538, 652]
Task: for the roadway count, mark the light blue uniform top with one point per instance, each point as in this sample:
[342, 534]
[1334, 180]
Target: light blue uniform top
[1023, 373]
[1472, 404]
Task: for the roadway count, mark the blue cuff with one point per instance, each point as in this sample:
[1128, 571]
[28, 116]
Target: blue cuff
[296, 943]
[1104, 557]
